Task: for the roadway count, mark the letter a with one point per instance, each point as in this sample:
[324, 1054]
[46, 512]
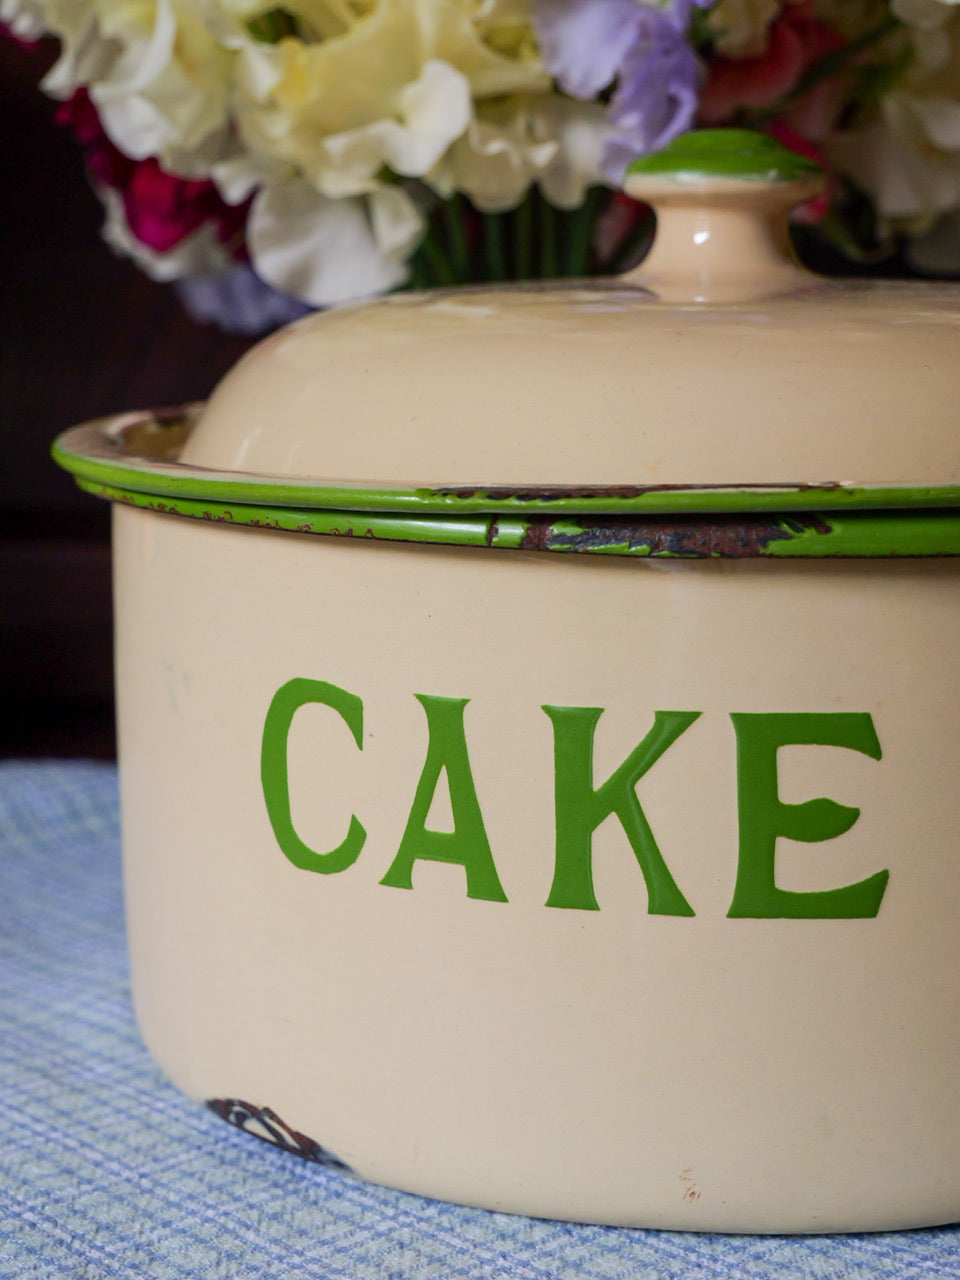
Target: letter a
[467, 844]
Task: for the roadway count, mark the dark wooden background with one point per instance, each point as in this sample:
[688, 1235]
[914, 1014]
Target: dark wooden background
[82, 333]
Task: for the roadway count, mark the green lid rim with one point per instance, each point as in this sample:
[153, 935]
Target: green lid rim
[94, 457]
[748, 535]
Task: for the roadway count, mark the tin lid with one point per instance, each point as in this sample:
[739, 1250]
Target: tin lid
[719, 378]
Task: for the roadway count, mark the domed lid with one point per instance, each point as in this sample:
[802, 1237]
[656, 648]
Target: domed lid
[720, 376]
[718, 363]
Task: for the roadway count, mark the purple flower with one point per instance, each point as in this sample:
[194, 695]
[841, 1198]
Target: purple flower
[587, 45]
[238, 301]
[656, 99]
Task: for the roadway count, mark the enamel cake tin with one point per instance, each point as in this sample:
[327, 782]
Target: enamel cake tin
[538, 733]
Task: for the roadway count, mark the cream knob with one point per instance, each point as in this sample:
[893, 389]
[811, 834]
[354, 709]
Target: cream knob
[722, 198]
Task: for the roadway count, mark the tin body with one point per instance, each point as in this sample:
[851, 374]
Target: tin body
[457, 1017]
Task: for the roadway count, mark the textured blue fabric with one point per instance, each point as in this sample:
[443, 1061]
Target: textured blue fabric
[108, 1171]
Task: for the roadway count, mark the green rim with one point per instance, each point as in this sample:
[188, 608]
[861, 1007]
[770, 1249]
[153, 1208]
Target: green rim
[748, 535]
[99, 455]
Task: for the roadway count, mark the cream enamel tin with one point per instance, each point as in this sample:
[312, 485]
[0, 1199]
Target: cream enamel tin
[579, 841]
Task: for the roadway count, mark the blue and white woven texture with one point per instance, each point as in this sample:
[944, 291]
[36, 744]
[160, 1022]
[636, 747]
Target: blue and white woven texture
[108, 1171]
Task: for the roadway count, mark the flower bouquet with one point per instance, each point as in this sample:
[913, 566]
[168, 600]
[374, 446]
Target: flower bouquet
[272, 158]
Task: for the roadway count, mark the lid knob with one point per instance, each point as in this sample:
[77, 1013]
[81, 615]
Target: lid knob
[722, 198]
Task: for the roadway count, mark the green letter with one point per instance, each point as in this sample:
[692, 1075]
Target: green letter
[580, 808]
[764, 816]
[467, 843]
[273, 771]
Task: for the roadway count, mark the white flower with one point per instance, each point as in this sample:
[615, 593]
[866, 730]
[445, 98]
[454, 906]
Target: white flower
[553, 141]
[23, 17]
[324, 250]
[199, 254]
[581, 130]
[908, 158]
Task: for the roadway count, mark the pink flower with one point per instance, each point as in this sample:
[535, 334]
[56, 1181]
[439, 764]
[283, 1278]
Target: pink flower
[796, 42]
[161, 209]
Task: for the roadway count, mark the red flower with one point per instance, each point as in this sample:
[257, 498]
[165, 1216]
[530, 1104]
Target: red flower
[795, 42]
[815, 210]
[161, 209]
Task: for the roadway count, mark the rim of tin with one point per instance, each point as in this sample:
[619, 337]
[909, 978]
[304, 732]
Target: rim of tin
[131, 458]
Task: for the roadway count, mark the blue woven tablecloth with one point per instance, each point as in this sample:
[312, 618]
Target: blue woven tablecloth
[106, 1170]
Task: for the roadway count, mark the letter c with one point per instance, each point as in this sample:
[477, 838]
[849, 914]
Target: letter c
[273, 771]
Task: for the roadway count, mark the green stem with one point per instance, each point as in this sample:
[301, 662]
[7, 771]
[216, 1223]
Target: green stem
[419, 276]
[549, 249]
[494, 247]
[452, 214]
[435, 261]
[582, 225]
[834, 230]
[523, 237]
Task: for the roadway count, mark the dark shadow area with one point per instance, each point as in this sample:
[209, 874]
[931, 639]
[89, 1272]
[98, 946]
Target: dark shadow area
[82, 334]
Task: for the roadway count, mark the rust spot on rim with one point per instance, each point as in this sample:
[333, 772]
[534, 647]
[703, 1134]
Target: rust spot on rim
[556, 493]
[691, 537]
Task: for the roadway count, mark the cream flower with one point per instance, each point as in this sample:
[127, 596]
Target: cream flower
[553, 141]
[740, 27]
[159, 80]
[357, 94]
[428, 113]
[85, 54]
[392, 89]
